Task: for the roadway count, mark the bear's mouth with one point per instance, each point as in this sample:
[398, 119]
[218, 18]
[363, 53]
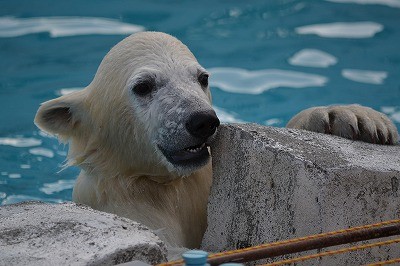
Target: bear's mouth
[193, 155]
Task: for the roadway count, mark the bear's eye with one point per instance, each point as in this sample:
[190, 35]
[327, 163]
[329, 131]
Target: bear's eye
[143, 88]
[203, 79]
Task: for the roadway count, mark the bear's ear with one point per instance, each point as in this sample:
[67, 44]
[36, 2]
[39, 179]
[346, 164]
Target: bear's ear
[62, 115]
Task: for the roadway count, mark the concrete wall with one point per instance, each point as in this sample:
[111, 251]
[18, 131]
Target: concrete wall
[273, 184]
[34, 233]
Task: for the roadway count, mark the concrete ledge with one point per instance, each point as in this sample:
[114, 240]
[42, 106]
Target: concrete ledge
[35, 233]
[273, 184]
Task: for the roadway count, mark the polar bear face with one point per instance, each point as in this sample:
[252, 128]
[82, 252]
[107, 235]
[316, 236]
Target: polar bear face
[147, 111]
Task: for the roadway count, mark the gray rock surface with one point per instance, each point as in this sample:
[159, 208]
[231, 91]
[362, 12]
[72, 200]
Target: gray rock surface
[274, 184]
[35, 233]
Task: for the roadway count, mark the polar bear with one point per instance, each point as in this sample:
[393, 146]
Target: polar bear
[140, 133]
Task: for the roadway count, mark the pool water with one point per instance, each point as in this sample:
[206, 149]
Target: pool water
[268, 60]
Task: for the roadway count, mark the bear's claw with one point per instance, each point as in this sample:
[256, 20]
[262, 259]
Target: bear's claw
[349, 121]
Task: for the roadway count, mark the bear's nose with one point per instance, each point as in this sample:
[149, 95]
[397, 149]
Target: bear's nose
[203, 125]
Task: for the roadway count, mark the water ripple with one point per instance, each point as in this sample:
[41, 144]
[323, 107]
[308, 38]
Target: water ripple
[352, 30]
[273, 122]
[395, 117]
[226, 117]
[237, 80]
[14, 175]
[20, 198]
[312, 58]
[65, 26]
[390, 3]
[393, 112]
[60, 185]
[66, 91]
[365, 76]
[42, 152]
[20, 142]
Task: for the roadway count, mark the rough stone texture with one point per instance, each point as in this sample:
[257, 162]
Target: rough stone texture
[273, 184]
[35, 233]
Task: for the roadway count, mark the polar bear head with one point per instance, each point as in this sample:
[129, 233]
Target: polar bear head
[147, 112]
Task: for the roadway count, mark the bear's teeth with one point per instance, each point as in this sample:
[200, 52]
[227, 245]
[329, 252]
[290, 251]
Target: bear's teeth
[195, 150]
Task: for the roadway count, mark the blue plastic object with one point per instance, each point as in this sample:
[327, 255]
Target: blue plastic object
[195, 257]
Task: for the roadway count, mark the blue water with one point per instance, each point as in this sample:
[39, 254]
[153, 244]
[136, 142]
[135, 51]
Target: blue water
[268, 59]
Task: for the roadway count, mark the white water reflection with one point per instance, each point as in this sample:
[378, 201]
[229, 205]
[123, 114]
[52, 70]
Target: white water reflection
[227, 117]
[272, 122]
[66, 91]
[365, 76]
[65, 26]
[393, 112]
[395, 117]
[19, 198]
[237, 80]
[388, 109]
[14, 175]
[60, 185]
[42, 152]
[390, 3]
[312, 58]
[352, 30]
[20, 142]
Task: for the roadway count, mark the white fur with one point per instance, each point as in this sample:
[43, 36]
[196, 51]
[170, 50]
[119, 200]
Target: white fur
[114, 135]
